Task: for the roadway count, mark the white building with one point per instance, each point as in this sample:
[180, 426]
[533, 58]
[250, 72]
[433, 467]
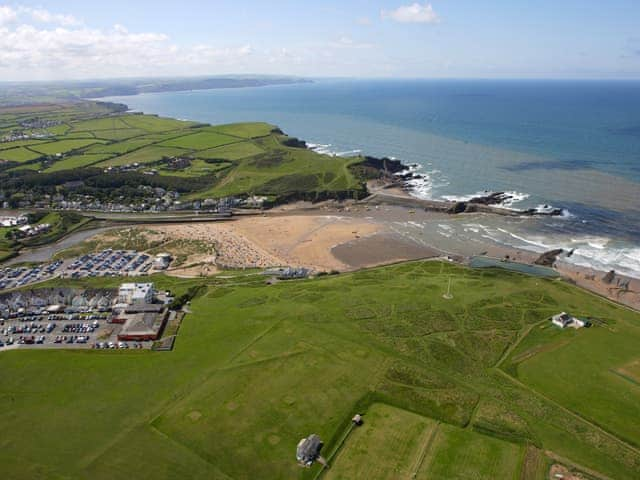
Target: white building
[135, 293]
[564, 320]
[162, 261]
[12, 221]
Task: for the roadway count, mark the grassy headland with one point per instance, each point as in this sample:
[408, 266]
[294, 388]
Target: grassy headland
[99, 152]
[255, 368]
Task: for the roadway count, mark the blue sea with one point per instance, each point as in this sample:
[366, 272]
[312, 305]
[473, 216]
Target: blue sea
[568, 144]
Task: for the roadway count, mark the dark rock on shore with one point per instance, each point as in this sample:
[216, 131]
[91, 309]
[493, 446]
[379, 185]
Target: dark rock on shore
[609, 277]
[384, 164]
[294, 142]
[547, 259]
[556, 212]
[495, 198]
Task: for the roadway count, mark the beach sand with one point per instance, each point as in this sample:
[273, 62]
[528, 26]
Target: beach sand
[381, 249]
[347, 237]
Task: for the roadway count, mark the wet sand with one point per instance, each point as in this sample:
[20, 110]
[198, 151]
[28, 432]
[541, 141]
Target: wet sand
[381, 249]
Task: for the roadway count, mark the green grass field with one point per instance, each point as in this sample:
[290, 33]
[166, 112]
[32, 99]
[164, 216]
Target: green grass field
[150, 154]
[19, 154]
[197, 169]
[235, 151]
[19, 143]
[256, 367]
[246, 130]
[252, 157]
[63, 146]
[391, 444]
[458, 454]
[587, 371]
[201, 141]
[77, 161]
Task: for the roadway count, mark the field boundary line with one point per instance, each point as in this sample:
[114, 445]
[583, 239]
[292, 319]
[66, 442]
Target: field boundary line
[335, 450]
[255, 340]
[185, 447]
[514, 345]
[629, 379]
[575, 415]
[425, 449]
[571, 463]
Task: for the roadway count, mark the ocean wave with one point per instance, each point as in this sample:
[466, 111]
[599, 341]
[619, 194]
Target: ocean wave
[511, 198]
[599, 253]
[421, 183]
[325, 149]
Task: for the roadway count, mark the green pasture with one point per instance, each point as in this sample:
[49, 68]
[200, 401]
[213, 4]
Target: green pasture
[246, 130]
[201, 141]
[197, 168]
[391, 444]
[120, 148]
[149, 154]
[281, 171]
[19, 143]
[20, 154]
[256, 368]
[99, 124]
[589, 371]
[458, 454]
[154, 124]
[234, 151]
[77, 161]
[260, 163]
[63, 146]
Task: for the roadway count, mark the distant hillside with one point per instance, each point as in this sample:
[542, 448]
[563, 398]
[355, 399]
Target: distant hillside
[28, 93]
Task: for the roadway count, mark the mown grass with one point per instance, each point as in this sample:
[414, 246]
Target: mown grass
[458, 454]
[388, 446]
[255, 368]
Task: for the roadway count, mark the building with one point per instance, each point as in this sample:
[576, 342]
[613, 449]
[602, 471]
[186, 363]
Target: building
[308, 450]
[162, 261]
[12, 221]
[564, 320]
[135, 293]
[142, 326]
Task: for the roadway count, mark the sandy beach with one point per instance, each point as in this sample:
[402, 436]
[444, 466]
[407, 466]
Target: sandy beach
[348, 236]
[318, 241]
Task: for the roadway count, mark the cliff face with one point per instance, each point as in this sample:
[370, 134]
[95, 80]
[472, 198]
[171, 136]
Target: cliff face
[383, 164]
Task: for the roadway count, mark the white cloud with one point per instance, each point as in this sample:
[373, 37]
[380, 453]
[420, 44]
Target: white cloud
[363, 21]
[38, 44]
[44, 16]
[7, 15]
[414, 13]
[48, 46]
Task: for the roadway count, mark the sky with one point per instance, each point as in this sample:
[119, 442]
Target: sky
[80, 39]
